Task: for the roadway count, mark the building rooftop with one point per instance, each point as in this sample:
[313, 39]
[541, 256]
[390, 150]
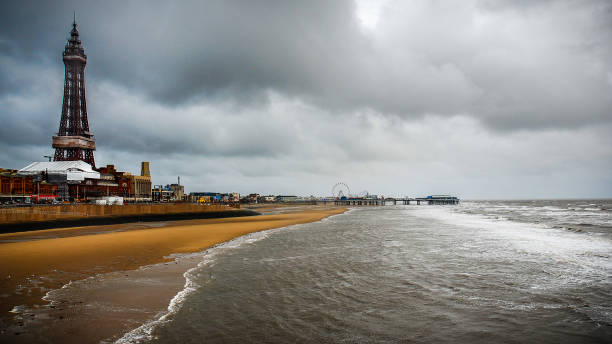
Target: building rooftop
[77, 169]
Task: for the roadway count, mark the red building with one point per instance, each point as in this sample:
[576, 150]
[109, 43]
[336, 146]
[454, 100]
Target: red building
[17, 188]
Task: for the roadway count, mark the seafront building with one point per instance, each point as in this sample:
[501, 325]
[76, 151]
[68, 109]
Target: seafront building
[141, 185]
[268, 199]
[162, 193]
[22, 188]
[213, 197]
[169, 192]
[286, 198]
[133, 188]
[67, 175]
[77, 181]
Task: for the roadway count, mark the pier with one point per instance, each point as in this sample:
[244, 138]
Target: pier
[430, 200]
[342, 196]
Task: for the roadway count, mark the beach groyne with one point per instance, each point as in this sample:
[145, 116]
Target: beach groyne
[46, 217]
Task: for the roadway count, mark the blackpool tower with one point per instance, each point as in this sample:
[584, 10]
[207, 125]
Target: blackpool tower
[74, 141]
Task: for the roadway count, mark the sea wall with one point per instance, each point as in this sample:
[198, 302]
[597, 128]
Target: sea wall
[43, 217]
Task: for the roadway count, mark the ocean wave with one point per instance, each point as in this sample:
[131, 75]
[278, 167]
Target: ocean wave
[560, 243]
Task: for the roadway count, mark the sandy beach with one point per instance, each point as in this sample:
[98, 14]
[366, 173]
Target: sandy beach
[114, 294]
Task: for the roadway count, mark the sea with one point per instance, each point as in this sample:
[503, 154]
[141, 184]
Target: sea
[537, 271]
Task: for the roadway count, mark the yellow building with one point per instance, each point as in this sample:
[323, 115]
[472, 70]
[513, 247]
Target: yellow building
[141, 186]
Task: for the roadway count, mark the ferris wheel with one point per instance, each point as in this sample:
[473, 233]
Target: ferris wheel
[340, 190]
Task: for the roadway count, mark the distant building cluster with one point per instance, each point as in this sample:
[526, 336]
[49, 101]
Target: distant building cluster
[73, 181]
[254, 198]
[169, 193]
[77, 181]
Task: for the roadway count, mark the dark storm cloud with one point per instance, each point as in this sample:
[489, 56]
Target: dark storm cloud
[510, 64]
[175, 52]
[28, 111]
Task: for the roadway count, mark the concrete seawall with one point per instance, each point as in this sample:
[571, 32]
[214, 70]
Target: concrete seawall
[45, 217]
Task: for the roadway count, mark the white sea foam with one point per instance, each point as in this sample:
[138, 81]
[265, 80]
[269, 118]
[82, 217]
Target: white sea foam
[588, 252]
[50, 295]
[18, 309]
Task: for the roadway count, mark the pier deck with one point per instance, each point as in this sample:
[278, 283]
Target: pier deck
[430, 200]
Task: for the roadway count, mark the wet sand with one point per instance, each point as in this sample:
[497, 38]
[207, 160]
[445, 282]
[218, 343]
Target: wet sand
[112, 294]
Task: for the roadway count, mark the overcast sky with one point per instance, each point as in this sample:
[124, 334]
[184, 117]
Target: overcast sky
[476, 98]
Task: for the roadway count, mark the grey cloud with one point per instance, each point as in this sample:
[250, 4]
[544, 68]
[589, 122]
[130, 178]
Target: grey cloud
[427, 57]
[202, 130]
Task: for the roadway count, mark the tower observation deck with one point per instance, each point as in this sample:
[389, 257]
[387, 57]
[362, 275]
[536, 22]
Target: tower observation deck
[74, 141]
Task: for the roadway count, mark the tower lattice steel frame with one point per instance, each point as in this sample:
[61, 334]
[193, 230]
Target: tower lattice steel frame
[74, 141]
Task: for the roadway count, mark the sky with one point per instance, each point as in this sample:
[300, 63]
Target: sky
[482, 99]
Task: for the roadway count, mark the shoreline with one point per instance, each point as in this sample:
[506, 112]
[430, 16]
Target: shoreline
[144, 331]
[104, 282]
